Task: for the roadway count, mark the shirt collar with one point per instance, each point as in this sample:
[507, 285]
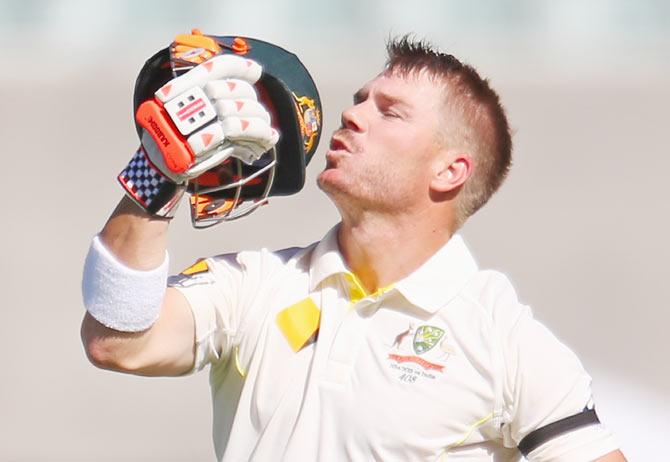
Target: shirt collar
[440, 278]
[326, 260]
[430, 287]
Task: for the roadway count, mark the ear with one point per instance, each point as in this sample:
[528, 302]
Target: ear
[451, 171]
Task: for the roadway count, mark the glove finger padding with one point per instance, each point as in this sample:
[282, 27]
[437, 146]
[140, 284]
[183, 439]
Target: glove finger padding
[196, 110]
[255, 132]
[219, 67]
[202, 141]
[239, 119]
[213, 159]
[241, 108]
[230, 89]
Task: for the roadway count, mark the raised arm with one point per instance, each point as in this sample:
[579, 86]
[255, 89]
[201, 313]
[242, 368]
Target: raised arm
[191, 124]
[138, 241]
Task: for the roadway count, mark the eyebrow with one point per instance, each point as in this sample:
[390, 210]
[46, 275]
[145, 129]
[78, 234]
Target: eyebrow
[362, 95]
[392, 100]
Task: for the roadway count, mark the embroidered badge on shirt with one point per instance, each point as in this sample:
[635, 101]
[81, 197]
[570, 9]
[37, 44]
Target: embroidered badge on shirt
[419, 352]
[426, 337]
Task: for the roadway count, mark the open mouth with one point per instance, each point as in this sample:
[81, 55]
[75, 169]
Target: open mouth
[337, 145]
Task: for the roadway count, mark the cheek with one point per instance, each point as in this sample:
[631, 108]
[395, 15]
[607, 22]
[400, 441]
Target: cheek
[399, 140]
[406, 148]
[406, 138]
[412, 159]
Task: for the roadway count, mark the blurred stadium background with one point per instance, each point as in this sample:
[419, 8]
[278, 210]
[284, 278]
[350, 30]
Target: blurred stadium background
[581, 226]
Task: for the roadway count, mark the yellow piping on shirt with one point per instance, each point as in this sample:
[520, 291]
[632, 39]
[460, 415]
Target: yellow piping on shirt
[472, 428]
[357, 291]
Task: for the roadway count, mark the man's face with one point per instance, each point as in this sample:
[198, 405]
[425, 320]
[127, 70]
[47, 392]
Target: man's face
[380, 159]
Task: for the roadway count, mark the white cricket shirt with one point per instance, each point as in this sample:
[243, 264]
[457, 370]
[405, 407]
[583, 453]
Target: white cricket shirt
[446, 364]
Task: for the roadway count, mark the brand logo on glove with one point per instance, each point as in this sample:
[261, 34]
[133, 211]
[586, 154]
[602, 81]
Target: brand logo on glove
[158, 132]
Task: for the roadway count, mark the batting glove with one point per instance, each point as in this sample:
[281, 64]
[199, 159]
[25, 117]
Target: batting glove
[194, 123]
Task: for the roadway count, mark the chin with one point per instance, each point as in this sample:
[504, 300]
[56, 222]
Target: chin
[328, 177]
[332, 182]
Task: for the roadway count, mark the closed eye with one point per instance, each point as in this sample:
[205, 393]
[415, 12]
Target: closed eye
[391, 107]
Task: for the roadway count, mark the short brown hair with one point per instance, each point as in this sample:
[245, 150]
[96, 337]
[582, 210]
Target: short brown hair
[482, 126]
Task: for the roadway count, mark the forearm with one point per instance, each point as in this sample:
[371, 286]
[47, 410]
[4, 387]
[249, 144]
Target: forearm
[137, 239]
[163, 346]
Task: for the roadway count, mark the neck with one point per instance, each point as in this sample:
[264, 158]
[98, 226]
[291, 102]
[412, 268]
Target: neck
[381, 250]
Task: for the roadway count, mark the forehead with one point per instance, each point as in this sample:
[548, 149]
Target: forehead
[413, 87]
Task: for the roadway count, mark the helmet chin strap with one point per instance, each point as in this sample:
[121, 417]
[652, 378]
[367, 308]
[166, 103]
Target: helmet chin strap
[232, 209]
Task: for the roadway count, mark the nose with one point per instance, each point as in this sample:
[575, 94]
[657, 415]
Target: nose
[352, 118]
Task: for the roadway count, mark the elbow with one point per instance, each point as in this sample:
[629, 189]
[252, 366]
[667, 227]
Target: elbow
[104, 347]
[98, 355]
[94, 344]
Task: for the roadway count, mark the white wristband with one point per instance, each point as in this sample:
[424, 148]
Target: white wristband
[119, 297]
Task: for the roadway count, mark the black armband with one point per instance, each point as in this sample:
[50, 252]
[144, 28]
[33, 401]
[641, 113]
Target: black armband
[540, 436]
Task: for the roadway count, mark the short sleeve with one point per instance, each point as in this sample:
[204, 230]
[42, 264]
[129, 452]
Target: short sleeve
[212, 288]
[545, 382]
[229, 296]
